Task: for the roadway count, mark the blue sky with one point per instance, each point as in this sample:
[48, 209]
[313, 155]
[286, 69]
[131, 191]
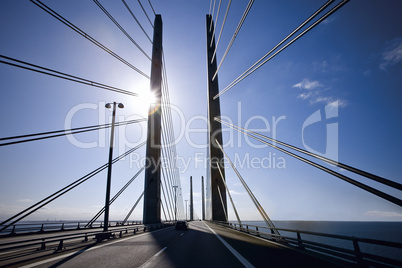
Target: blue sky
[354, 58]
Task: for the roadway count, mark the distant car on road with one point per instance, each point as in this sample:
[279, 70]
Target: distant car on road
[181, 225]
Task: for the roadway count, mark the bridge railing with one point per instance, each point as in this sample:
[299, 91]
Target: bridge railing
[27, 228]
[347, 248]
[75, 238]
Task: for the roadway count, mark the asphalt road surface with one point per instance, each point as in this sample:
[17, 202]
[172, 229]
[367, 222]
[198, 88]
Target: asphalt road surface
[200, 246]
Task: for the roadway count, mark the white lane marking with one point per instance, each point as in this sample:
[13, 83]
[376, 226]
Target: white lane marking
[181, 234]
[84, 250]
[152, 259]
[234, 252]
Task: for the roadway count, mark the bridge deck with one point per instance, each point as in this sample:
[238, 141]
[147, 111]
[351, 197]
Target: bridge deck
[197, 247]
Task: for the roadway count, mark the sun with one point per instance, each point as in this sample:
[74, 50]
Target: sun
[147, 97]
[146, 102]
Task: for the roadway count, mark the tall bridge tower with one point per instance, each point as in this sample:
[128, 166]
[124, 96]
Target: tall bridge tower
[217, 205]
[152, 185]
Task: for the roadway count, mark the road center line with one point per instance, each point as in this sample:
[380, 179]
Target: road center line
[243, 260]
[152, 259]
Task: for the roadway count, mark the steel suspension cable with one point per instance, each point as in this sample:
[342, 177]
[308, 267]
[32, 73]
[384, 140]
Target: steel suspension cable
[169, 192]
[100, 212]
[143, 9]
[264, 60]
[243, 18]
[163, 209]
[169, 175]
[363, 186]
[121, 28]
[166, 134]
[172, 151]
[167, 155]
[167, 117]
[164, 196]
[230, 196]
[168, 179]
[368, 175]
[212, 14]
[153, 10]
[252, 196]
[64, 190]
[132, 209]
[220, 32]
[85, 35]
[223, 206]
[166, 100]
[43, 70]
[135, 18]
[210, 7]
[171, 164]
[65, 132]
[216, 21]
[280, 43]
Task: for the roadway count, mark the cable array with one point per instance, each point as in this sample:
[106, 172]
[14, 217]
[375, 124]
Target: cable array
[216, 19]
[100, 212]
[146, 14]
[64, 132]
[230, 196]
[58, 133]
[264, 59]
[85, 35]
[243, 18]
[260, 209]
[54, 73]
[363, 186]
[311, 22]
[368, 175]
[150, 4]
[213, 10]
[136, 20]
[121, 28]
[169, 168]
[220, 32]
[28, 211]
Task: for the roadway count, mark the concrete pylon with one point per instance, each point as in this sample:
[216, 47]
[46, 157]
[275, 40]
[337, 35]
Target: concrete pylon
[152, 185]
[218, 205]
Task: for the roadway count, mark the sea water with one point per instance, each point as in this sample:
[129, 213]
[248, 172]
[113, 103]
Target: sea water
[387, 231]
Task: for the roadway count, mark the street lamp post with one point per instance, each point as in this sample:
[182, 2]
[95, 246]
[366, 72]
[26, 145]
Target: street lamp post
[109, 170]
[186, 208]
[175, 202]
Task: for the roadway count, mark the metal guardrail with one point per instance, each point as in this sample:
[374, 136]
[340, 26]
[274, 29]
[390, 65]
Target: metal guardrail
[355, 255]
[58, 241]
[34, 228]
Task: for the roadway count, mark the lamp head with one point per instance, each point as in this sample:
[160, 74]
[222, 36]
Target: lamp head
[108, 105]
[120, 105]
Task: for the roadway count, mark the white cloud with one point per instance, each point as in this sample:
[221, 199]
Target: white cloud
[382, 214]
[332, 102]
[392, 54]
[313, 92]
[338, 103]
[304, 96]
[236, 193]
[25, 200]
[307, 84]
[328, 20]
